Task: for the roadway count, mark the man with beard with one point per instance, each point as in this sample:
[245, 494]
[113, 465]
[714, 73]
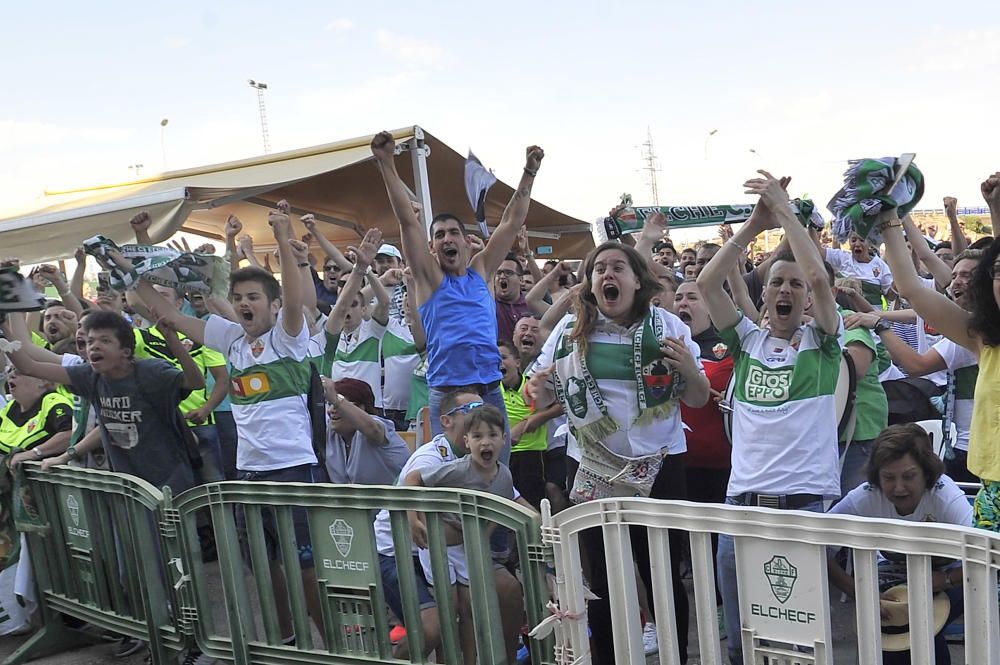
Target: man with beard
[452, 294]
[58, 324]
[509, 297]
[874, 273]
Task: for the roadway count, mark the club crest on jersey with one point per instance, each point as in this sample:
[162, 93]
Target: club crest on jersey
[719, 350]
[443, 451]
[257, 347]
[658, 378]
[32, 425]
[875, 272]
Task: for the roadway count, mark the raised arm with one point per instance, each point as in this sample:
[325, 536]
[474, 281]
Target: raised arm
[393, 276]
[488, 260]
[524, 252]
[365, 253]
[194, 379]
[27, 364]
[300, 254]
[76, 281]
[233, 229]
[166, 313]
[938, 269]
[773, 194]
[140, 226]
[414, 321]
[52, 275]
[991, 192]
[292, 317]
[331, 251]
[413, 235]
[16, 329]
[959, 243]
[535, 297]
[950, 320]
[654, 229]
[720, 306]
[739, 290]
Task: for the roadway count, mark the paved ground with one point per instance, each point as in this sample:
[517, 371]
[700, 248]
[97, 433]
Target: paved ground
[845, 652]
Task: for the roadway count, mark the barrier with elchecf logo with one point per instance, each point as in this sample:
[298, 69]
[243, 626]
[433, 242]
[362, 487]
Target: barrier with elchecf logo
[782, 577]
[99, 558]
[122, 556]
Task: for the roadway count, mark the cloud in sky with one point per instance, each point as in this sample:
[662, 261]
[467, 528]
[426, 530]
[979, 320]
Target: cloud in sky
[414, 53]
[18, 134]
[339, 25]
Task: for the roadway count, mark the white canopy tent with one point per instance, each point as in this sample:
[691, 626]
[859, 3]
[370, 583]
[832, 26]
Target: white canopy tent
[334, 181]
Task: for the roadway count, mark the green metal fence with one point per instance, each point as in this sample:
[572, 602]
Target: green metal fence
[122, 556]
[100, 559]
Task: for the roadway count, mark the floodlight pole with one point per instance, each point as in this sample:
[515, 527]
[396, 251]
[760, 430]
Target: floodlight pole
[261, 87]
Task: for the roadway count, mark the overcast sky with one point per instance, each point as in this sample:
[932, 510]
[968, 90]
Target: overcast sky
[807, 86]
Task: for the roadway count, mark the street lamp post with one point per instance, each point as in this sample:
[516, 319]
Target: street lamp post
[710, 135]
[163, 141]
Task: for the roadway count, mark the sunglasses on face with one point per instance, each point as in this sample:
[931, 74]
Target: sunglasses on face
[464, 409]
[331, 268]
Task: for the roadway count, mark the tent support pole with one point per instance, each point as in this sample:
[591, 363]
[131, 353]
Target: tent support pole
[419, 152]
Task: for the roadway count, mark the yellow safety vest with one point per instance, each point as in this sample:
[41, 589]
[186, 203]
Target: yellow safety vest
[33, 431]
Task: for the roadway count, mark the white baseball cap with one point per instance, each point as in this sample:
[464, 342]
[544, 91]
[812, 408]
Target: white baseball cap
[389, 250]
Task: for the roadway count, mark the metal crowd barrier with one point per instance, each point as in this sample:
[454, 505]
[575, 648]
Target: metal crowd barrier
[101, 560]
[104, 561]
[781, 559]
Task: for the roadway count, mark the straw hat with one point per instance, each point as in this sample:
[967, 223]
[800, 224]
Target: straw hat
[896, 629]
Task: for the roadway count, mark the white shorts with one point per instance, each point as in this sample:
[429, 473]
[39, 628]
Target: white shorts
[458, 569]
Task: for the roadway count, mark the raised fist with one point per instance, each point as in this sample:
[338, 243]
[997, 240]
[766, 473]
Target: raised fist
[950, 205]
[533, 159]
[300, 250]
[141, 221]
[309, 221]
[233, 226]
[991, 190]
[383, 146]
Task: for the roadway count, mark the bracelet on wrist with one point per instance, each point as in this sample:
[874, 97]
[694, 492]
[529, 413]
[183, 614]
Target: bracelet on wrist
[303, 264]
[530, 172]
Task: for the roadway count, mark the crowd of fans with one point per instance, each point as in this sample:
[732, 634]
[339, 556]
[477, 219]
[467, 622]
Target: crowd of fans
[559, 381]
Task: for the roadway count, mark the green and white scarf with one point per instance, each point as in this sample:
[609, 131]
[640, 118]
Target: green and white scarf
[633, 219]
[187, 271]
[863, 197]
[657, 385]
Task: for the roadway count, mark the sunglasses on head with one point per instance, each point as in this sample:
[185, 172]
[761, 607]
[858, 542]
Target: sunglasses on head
[465, 408]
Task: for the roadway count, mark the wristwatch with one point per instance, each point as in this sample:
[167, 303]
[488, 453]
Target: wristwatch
[38, 453]
[882, 326]
[71, 452]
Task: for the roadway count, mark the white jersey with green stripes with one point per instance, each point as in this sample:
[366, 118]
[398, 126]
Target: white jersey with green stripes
[269, 381]
[963, 364]
[784, 412]
[400, 358]
[358, 356]
[875, 275]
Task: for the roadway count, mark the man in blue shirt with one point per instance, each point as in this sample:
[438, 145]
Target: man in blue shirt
[455, 304]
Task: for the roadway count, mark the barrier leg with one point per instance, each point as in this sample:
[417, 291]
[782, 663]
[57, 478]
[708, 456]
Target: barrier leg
[53, 637]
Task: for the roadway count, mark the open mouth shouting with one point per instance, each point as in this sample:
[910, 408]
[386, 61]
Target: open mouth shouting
[611, 293]
[783, 308]
[450, 253]
[486, 454]
[684, 316]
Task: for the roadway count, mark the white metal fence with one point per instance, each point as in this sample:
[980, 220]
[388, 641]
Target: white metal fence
[783, 584]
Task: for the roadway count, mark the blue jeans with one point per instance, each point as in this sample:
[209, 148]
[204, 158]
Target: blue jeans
[726, 570]
[226, 428]
[211, 454]
[493, 397]
[852, 473]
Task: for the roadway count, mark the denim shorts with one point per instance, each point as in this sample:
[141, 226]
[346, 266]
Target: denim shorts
[305, 473]
[390, 584]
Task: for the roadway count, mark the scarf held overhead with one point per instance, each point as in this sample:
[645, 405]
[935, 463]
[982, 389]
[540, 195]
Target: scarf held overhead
[633, 219]
[187, 271]
[18, 294]
[868, 191]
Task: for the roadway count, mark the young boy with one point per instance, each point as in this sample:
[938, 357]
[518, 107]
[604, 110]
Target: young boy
[480, 469]
[136, 400]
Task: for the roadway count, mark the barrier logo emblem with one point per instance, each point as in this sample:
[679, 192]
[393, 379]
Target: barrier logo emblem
[74, 509]
[342, 535]
[781, 575]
